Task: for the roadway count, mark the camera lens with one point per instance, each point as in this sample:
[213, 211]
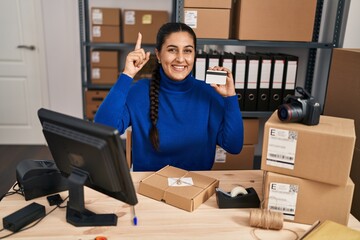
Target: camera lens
[290, 113]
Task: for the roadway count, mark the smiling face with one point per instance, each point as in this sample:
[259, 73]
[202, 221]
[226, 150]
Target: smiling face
[177, 55]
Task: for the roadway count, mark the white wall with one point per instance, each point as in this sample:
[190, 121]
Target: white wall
[62, 44]
[352, 33]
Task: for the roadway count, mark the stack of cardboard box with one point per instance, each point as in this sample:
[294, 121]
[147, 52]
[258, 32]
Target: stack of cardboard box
[342, 99]
[104, 67]
[307, 169]
[245, 159]
[105, 24]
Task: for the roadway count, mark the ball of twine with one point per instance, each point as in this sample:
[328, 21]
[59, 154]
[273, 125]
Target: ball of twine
[266, 219]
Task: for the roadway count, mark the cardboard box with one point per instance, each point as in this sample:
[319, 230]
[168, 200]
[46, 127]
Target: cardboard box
[95, 96]
[342, 98]
[251, 130]
[93, 100]
[104, 59]
[275, 20]
[200, 20]
[242, 161]
[91, 110]
[146, 22]
[104, 75]
[306, 201]
[105, 16]
[110, 34]
[208, 4]
[321, 153]
[177, 187]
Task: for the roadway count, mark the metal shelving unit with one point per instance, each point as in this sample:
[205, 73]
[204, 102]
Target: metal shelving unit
[319, 50]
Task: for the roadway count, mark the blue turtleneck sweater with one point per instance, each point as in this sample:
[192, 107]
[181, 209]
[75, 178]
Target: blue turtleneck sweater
[193, 119]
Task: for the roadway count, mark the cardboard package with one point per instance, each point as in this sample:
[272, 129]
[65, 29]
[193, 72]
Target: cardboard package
[342, 99]
[242, 161]
[275, 20]
[226, 4]
[109, 34]
[177, 187]
[209, 22]
[104, 75]
[93, 100]
[104, 59]
[321, 152]
[147, 22]
[306, 201]
[105, 16]
[251, 130]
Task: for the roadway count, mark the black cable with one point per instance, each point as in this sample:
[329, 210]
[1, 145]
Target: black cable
[34, 224]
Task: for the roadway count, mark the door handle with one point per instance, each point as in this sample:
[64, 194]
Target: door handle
[31, 47]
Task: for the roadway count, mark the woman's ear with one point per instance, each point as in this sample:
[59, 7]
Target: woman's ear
[157, 55]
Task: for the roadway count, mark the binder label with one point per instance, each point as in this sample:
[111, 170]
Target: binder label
[291, 75]
[253, 74]
[265, 74]
[278, 74]
[240, 74]
[282, 198]
[281, 148]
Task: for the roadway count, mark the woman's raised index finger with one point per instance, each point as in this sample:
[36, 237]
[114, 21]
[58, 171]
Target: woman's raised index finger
[138, 41]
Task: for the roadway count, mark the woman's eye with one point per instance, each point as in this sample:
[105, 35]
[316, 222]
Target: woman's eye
[172, 50]
[188, 50]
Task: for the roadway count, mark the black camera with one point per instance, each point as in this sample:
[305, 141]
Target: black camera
[304, 109]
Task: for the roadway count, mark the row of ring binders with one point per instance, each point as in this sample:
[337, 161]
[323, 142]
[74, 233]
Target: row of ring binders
[262, 80]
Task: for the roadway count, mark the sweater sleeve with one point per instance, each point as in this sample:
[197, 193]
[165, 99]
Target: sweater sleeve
[231, 134]
[113, 111]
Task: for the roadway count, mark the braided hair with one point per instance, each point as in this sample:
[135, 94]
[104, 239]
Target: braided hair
[164, 32]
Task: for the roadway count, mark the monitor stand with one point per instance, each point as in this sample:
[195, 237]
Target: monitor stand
[76, 213]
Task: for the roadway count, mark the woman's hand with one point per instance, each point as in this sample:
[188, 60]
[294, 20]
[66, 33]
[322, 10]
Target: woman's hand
[228, 89]
[136, 59]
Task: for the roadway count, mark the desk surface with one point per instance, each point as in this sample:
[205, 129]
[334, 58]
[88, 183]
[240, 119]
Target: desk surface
[157, 220]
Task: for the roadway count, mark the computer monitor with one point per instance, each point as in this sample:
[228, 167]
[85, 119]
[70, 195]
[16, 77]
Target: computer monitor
[88, 154]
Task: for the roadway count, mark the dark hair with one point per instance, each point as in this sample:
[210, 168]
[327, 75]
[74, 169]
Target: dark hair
[163, 33]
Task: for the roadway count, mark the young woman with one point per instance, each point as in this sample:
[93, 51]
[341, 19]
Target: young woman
[176, 120]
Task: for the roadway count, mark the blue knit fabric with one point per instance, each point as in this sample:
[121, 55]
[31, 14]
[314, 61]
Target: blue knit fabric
[193, 119]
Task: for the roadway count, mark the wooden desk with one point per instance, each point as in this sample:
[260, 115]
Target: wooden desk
[157, 220]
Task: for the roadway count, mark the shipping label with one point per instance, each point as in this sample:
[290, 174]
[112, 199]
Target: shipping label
[282, 198]
[281, 148]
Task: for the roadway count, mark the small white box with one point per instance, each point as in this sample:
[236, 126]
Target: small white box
[217, 77]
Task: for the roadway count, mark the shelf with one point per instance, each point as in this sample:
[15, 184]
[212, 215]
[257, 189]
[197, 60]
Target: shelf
[233, 42]
[202, 41]
[114, 46]
[256, 114]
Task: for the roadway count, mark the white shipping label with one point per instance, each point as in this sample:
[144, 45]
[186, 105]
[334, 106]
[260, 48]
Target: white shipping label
[180, 182]
[97, 16]
[130, 18]
[96, 31]
[190, 18]
[95, 57]
[220, 155]
[282, 198]
[281, 148]
[95, 73]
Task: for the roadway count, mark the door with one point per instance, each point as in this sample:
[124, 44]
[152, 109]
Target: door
[22, 86]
